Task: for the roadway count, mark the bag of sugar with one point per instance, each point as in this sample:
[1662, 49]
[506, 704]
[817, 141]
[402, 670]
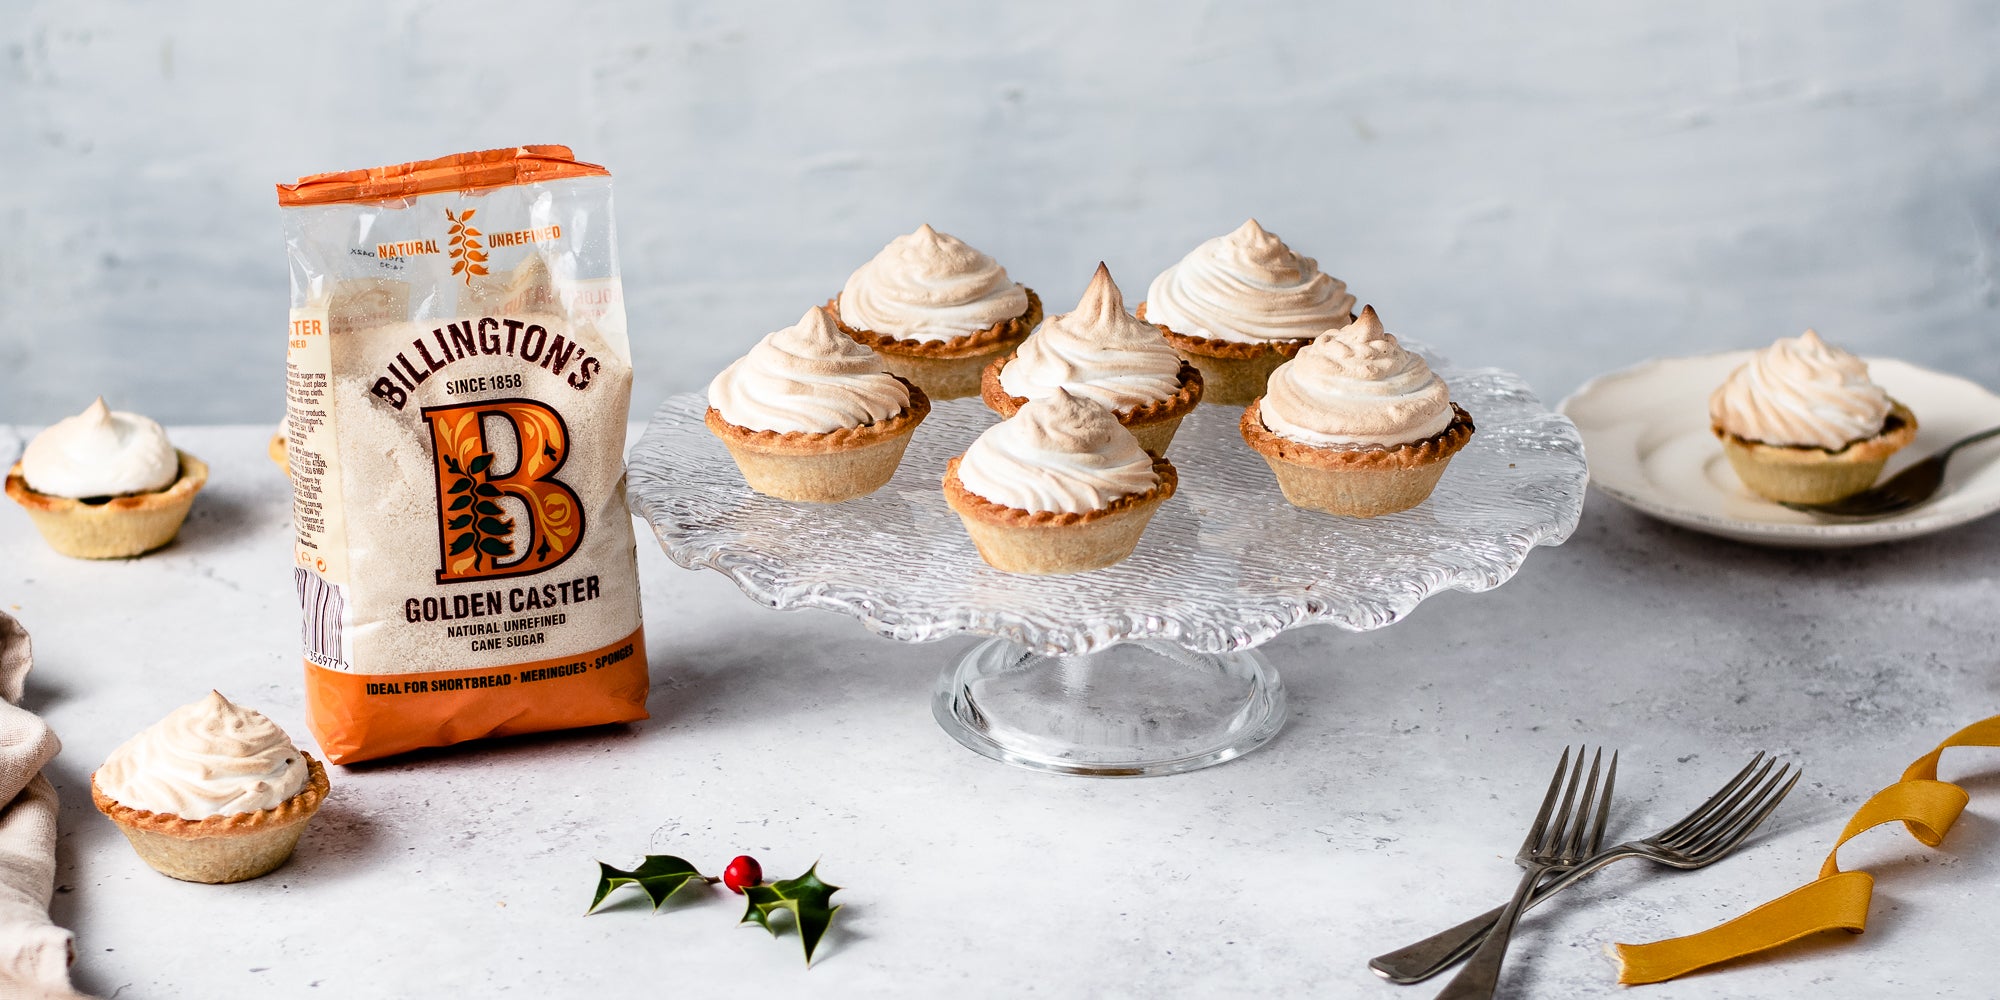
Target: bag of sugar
[459, 374]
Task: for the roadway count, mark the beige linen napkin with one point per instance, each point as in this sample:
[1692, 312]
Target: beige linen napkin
[34, 953]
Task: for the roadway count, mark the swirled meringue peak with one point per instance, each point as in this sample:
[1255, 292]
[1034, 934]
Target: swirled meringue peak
[807, 377]
[1097, 351]
[1801, 392]
[930, 286]
[1248, 287]
[1060, 452]
[1356, 387]
[100, 453]
[211, 758]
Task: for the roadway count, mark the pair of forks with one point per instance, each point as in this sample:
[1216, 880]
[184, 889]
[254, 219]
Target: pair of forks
[1565, 841]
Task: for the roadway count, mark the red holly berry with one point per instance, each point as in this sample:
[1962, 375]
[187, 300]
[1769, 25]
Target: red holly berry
[743, 871]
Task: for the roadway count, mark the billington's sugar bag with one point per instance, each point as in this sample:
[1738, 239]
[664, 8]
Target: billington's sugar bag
[457, 392]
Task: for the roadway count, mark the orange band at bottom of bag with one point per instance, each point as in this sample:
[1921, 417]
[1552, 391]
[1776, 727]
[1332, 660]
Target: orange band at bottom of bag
[357, 717]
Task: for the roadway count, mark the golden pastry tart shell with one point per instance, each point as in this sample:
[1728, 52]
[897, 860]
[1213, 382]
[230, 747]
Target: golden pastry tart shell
[1235, 371]
[118, 528]
[1048, 542]
[947, 369]
[1797, 474]
[1152, 423]
[219, 848]
[1357, 482]
[822, 468]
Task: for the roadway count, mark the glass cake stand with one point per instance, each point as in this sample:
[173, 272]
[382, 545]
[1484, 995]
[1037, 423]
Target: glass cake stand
[1149, 666]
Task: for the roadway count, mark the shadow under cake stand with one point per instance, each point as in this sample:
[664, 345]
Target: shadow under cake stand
[1149, 666]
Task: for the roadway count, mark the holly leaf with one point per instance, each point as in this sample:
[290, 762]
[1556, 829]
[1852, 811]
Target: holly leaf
[807, 898]
[659, 876]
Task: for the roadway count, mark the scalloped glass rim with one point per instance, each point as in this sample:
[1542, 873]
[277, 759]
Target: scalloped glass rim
[1225, 565]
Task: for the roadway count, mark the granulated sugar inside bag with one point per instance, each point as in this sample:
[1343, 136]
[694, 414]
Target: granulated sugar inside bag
[459, 374]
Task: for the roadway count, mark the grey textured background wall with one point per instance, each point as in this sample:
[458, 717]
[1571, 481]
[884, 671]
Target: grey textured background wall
[1559, 192]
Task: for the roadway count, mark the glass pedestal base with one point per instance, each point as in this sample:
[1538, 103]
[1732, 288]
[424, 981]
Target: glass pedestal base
[1134, 709]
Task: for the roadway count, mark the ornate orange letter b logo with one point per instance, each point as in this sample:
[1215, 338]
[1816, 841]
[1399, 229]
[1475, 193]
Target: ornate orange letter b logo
[477, 537]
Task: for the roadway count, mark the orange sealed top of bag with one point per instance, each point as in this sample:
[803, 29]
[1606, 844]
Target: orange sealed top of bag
[487, 168]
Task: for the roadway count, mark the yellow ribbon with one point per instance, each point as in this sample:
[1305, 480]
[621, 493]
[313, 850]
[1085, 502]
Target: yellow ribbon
[1926, 807]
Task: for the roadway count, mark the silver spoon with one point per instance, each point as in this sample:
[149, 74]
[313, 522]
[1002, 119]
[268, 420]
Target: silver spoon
[1904, 490]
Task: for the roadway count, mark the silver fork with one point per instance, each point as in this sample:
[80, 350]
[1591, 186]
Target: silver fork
[1575, 833]
[1699, 839]
[1900, 492]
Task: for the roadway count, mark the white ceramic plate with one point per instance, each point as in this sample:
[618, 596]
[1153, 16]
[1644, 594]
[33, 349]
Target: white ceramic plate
[1646, 435]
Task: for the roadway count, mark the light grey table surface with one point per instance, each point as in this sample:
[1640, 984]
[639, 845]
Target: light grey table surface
[1389, 807]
